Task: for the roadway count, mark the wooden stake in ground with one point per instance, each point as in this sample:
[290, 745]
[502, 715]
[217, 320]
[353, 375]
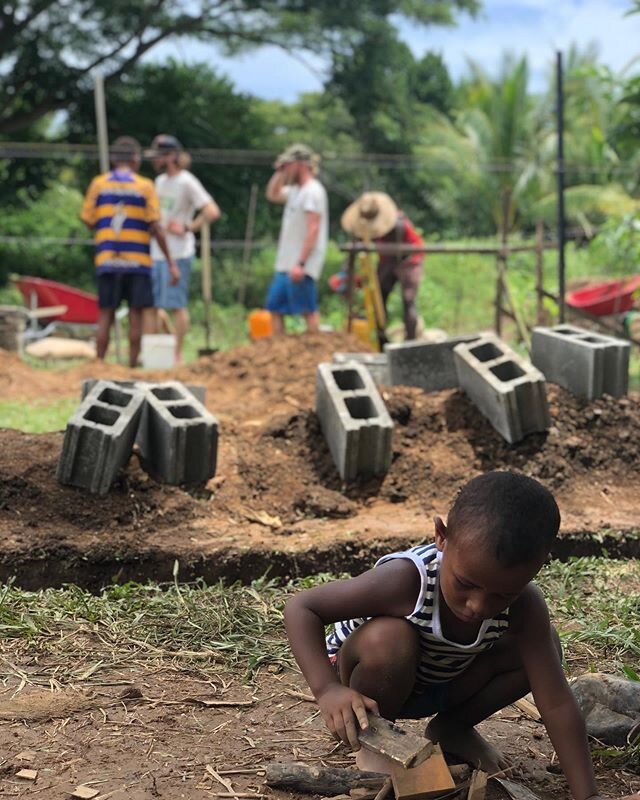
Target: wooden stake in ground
[389, 740]
[478, 785]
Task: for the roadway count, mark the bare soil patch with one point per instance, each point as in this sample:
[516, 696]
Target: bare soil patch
[277, 501]
[142, 733]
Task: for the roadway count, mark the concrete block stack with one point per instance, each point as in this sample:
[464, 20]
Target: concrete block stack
[508, 390]
[587, 364]
[177, 436]
[354, 420]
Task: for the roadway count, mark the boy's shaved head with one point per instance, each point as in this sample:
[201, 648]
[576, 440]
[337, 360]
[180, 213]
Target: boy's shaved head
[515, 516]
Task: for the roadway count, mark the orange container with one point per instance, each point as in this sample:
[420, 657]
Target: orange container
[360, 329]
[260, 324]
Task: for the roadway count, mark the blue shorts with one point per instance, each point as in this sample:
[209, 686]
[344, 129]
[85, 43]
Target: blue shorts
[134, 287]
[164, 294]
[288, 297]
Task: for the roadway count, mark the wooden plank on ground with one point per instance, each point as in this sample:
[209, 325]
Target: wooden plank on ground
[402, 747]
[430, 778]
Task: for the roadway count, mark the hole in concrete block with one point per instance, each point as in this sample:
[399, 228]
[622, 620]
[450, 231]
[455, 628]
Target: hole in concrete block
[565, 331]
[114, 398]
[348, 379]
[486, 352]
[507, 371]
[167, 393]
[183, 412]
[591, 339]
[103, 416]
[361, 407]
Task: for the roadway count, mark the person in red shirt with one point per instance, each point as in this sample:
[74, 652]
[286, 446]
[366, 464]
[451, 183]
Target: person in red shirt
[374, 217]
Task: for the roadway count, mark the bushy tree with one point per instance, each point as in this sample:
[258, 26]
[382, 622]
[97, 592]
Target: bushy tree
[49, 48]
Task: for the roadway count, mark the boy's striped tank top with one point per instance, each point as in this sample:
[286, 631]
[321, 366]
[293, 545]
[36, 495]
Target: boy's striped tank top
[441, 660]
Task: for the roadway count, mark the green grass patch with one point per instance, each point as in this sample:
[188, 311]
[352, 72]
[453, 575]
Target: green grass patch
[71, 635]
[594, 603]
[38, 417]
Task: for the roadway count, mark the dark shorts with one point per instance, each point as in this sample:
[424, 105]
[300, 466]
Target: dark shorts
[424, 701]
[288, 297]
[135, 288]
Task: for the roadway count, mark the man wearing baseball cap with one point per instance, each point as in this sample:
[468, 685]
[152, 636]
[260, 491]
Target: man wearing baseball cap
[304, 234]
[181, 196]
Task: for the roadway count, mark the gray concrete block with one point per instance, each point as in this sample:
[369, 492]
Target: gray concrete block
[198, 391]
[508, 390]
[427, 365]
[354, 419]
[178, 437]
[99, 436]
[376, 363]
[587, 364]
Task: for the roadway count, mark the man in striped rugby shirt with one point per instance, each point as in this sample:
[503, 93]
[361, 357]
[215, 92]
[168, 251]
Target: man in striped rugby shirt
[123, 211]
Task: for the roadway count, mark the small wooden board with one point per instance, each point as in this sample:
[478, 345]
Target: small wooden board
[430, 778]
[389, 740]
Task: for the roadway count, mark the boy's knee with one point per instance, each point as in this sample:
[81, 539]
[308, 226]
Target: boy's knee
[389, 640]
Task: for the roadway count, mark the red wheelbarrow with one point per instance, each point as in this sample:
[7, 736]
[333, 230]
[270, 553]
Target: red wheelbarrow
[606, 298]
[52, 303]
[80, 308]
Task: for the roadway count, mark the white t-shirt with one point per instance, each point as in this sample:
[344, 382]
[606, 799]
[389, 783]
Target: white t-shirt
[310, 197]
[181, 195]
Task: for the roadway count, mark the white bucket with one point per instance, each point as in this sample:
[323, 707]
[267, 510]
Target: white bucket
[158, 351]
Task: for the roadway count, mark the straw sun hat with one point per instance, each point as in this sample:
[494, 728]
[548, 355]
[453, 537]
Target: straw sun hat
[371, 216]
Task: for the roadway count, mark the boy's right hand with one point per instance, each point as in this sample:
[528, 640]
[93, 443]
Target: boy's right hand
[341, 708]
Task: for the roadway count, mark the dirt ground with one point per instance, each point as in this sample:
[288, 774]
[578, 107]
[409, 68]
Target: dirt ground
[133, 734]
[276, 503]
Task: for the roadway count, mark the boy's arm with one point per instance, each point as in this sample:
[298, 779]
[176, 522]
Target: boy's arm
[306, 615]
[555, 700]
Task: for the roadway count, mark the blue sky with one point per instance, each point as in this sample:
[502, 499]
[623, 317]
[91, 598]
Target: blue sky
[535, 27]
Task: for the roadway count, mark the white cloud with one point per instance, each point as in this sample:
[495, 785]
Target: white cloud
[536, 28]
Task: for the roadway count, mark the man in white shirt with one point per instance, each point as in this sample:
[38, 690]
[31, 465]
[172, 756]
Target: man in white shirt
[181, 196]
[303, 237]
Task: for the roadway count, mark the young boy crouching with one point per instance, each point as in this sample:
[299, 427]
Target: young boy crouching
[453, 630]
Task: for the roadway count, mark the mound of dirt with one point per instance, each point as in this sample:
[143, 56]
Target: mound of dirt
[276, 480]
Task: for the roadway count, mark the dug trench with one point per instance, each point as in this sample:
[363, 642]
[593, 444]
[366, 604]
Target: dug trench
[276, 505]
[135, 723]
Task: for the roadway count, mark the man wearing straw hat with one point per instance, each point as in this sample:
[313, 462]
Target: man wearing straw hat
[304, 233]
[374, 217]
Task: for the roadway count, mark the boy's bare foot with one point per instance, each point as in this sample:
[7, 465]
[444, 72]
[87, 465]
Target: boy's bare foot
[467, 744]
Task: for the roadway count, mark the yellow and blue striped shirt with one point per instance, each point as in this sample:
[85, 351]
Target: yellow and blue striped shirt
[120, 206]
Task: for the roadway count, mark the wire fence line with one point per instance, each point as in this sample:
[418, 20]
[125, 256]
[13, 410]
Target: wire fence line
[221, 244]
[265, 158]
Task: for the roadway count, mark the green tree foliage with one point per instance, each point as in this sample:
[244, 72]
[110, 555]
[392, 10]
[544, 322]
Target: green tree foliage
[39, 226]
[204, 111]
[49, 48]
